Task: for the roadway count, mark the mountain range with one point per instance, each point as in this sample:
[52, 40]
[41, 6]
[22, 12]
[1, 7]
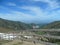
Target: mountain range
[17, 25]
[52, 25]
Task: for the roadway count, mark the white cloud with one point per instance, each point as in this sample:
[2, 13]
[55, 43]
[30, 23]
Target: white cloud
[17, 15]
[25, 17]
[40, 14]
[37, 10]
[11, 4]
[52, 3]
[36, 13]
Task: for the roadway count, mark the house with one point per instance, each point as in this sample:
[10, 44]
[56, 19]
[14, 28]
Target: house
[7, 36]
[35, 26]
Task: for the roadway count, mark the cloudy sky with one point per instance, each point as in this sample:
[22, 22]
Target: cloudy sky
[38, 11]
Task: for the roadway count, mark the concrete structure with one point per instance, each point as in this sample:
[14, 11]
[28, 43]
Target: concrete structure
[7, 36]
[35, 27]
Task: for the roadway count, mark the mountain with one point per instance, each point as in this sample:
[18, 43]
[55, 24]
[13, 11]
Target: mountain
[53, 25]
[15, 25]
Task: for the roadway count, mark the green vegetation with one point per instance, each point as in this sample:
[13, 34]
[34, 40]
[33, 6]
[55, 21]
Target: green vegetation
[4, 41]
[53, 25]
[40, 32]
[15, 25]
[19, 43]
[54, 33]
[58, 43]
[52, 40]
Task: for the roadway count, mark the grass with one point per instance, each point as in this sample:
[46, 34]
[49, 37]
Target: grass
[58, 43]
[5, 29]
[3, 41]
[19, 43]
[40, 32]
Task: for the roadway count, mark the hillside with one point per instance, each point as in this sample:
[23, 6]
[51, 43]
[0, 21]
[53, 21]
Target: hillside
[15, 25]
[53, 25]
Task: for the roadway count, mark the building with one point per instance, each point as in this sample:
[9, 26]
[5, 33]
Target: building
[35, 26]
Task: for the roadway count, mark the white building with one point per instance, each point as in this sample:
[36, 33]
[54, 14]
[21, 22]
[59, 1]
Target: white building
[35, 27]
[6, 36]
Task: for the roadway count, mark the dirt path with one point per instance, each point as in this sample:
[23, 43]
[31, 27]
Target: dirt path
[18, 42]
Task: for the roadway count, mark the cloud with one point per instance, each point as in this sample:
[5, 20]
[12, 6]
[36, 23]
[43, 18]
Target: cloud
[52, 3]
[33, 13]
[36, 10]
[11, 4]
[41, 14]
[16, 15]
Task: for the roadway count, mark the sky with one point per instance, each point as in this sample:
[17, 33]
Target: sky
[30, 11]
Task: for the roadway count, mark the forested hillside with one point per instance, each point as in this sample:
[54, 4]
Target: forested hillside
[53, 25]
[16, 25]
